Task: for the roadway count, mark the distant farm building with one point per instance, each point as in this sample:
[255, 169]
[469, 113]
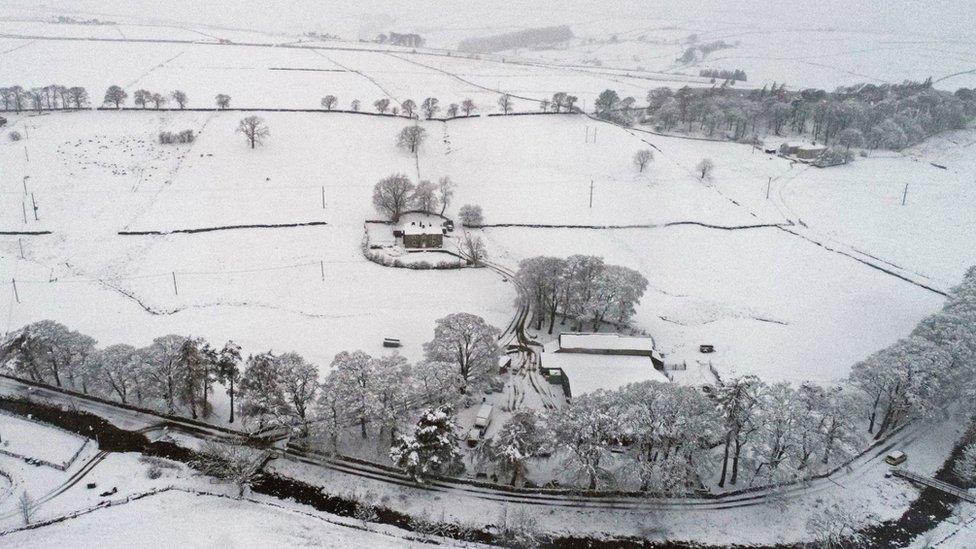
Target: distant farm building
[420, 235]
[803, 151]
[586, 362]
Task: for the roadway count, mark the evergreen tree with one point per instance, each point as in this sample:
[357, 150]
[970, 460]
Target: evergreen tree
[432, 449]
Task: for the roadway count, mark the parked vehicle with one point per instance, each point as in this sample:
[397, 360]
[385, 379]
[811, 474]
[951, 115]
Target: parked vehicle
[896, 458]
[485, 413]
[474, 437]
[392, 342]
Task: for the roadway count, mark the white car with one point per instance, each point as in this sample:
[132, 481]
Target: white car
[896, 458]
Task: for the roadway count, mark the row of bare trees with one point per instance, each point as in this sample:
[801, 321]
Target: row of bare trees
[116, 96]
[55, 96]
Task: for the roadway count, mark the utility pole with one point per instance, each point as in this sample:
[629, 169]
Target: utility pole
[768, 184]
[591, 194]
[34, 205]
[25, 183]
[23, 207]
[176, 290]
[16, 295]
[323, 197]
[904, 195]
[322, 268]
[21, 242]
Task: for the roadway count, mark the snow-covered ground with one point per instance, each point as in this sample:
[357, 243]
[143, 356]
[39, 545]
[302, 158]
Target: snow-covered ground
[307, 289]
[180, 519]
[26, 439]
[771, 303]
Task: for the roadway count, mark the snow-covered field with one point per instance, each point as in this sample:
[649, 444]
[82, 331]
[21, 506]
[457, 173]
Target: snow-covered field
[179, 519]
[307, 289]
[771, 302]
[28, 439]
[800, 57]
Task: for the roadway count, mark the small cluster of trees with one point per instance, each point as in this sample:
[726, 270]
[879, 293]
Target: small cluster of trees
[723, 74]
[116, 96]
[888, 116]
[396, 194]
[429, 107]
[582, 288]
[609, 106]
[168, 138]
[561, 101]
[55, 96]
[142, 98]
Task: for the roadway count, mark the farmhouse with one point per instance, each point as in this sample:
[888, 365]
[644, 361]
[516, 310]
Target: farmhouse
[421, 235]
[585, 362]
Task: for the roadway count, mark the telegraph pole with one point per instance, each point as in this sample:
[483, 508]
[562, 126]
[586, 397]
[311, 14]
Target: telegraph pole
[323, 197]
[591, 194]
[176, 290]
[16, 295]
[768, 184]
[904, 195]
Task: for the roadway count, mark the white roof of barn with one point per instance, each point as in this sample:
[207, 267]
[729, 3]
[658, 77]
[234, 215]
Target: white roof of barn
[605, 342]
[589, 373]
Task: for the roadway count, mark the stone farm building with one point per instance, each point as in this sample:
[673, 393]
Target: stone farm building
[421, 235]
[585, 362]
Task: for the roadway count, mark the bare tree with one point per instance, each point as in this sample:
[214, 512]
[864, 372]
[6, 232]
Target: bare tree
[381, 105]
[445, 192]
[36, 96]
[329, 102]
[180, 98]
[430, 106]
[452, 110]
[232, 463]
[254, 129]
[642, 157]
[78, 96]
[408, 107]
[142, 98]
[424, 197]
[391, 195]
[411, 137]
[468, 107]
[505, 102]
[354, 106]
[26, 507]
[222, 101]
[469, 344]
[471, 215]
[158, 100]
[473, 247]
[705, 167]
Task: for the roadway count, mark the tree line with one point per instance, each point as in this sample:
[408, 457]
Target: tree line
[53, 97]
[677, 437]
[886, 116]
[177, 375]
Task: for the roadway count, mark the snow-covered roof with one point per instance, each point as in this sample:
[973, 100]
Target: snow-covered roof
[605, 342]
[588, 373]
[416, 229]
